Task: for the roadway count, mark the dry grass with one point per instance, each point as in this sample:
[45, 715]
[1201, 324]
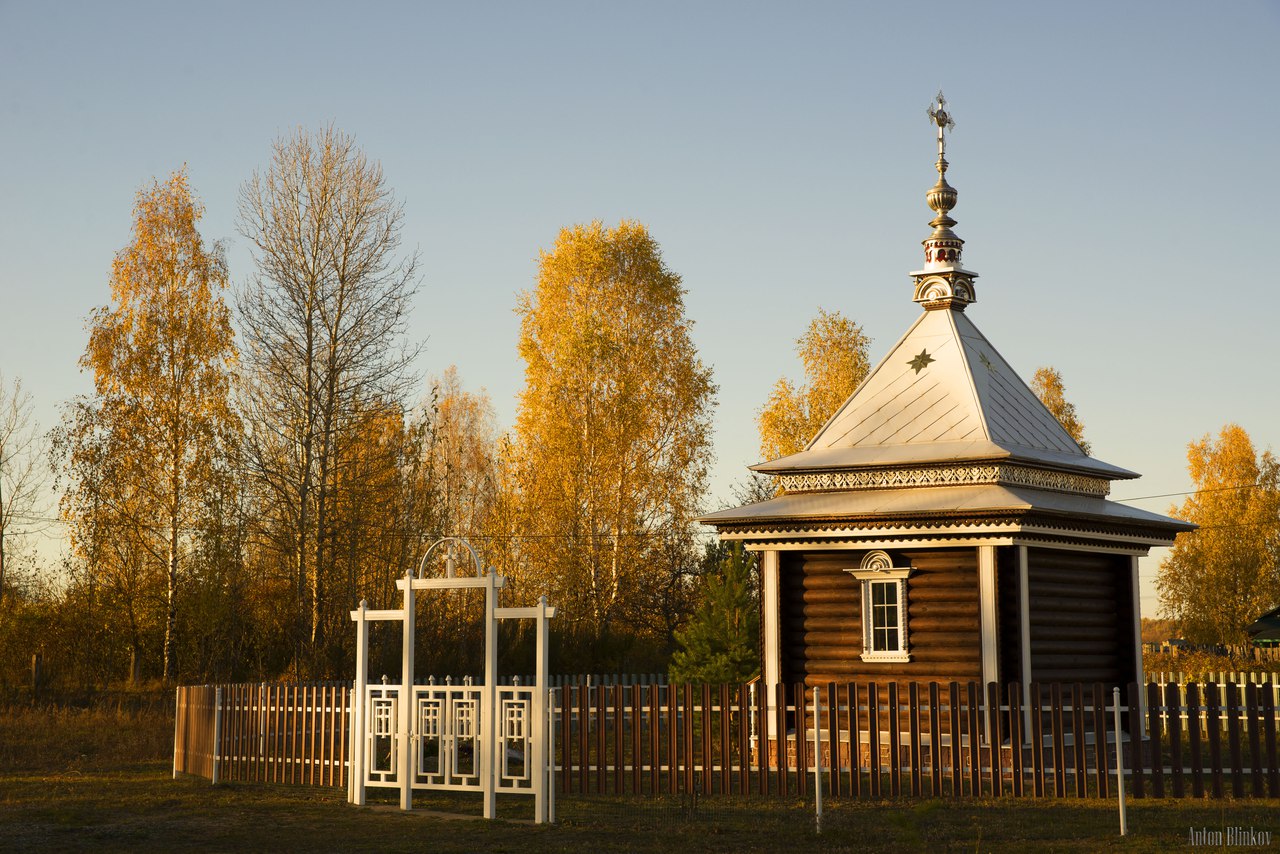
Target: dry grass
[109, 736]
[76, 780]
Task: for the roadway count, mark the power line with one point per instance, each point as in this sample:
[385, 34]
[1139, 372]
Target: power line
[1192, 492]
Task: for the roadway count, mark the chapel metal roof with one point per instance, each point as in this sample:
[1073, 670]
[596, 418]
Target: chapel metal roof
[943, 394]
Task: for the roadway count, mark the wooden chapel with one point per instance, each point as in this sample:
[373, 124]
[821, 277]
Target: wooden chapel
[943, 525]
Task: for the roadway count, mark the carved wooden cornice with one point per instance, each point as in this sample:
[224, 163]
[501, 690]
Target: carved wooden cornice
[954, 475]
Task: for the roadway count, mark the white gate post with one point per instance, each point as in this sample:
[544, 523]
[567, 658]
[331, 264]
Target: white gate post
[356, 741]
[488, 713]
[540, 725]
[404, 768]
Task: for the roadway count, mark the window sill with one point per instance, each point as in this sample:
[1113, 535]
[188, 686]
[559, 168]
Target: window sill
[885, 656]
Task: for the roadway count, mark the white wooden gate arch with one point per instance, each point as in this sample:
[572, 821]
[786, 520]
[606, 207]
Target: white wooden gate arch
[484, 738]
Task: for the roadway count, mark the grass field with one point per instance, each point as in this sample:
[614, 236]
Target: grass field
[100, 780]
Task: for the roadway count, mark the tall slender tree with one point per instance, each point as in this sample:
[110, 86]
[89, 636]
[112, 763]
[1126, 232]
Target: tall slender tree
[22, 474]
[323, 320]
[834, 352]
[613, 432]
[148, 447]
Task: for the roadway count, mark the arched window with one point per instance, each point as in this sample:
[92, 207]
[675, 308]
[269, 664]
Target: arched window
[884, 608]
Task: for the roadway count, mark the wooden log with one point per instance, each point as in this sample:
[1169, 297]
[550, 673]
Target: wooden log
[940, 594]
[946, 653]
[827, 637]
[1074, 648]
[824, 624]
[1073, 633]
[1073, 604]
[964, 609]
[1043, 620]
[1068, 663]
[945, 625]
[830, 595]
[841, 581]
[1079, 588]
[924, 639]
[824, 609]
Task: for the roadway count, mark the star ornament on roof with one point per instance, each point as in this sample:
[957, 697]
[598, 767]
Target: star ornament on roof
[919, 363]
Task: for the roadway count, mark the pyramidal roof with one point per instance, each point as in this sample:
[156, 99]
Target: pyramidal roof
[942, 394]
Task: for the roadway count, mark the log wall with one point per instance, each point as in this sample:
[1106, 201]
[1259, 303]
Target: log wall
[1081, 617]
[821, 620]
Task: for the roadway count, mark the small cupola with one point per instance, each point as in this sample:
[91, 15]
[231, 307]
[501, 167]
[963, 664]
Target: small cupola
[943, 282]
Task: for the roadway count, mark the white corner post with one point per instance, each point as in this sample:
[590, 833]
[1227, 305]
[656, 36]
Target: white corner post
[1024, 626]
[404, 768]
[771, 634]
[988, 612]
[1140, 674]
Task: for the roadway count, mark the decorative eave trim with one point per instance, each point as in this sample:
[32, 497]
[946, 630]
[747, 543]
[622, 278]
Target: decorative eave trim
[954, 475]
[1005, 527]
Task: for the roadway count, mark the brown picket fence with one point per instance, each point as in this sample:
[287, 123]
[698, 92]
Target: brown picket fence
[272, 733]
[948, 740]
[869, 740]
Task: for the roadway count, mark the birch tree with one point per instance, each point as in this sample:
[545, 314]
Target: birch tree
[833, 351]
[1218, 579]
[613, 431]
[150, 443]
[22, 472]
[1047, 385]
[323, 319]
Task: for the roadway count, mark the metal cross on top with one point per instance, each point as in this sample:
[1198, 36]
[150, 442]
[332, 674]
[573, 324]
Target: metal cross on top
[938, 113]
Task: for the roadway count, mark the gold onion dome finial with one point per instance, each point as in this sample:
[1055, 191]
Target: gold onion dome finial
[943, 283]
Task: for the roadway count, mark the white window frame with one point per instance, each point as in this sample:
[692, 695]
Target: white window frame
[877, 567]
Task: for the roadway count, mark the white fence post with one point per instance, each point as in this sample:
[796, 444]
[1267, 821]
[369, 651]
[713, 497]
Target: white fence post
[1115, 699]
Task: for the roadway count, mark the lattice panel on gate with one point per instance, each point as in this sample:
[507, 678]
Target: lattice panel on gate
[383, 743]
[515, 716]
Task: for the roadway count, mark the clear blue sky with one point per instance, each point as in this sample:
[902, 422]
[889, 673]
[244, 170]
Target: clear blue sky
[1115, 163]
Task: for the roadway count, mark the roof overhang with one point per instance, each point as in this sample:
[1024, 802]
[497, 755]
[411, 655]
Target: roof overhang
[942, 513]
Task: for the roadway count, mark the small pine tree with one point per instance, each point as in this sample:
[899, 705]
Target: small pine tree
[721, 642]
